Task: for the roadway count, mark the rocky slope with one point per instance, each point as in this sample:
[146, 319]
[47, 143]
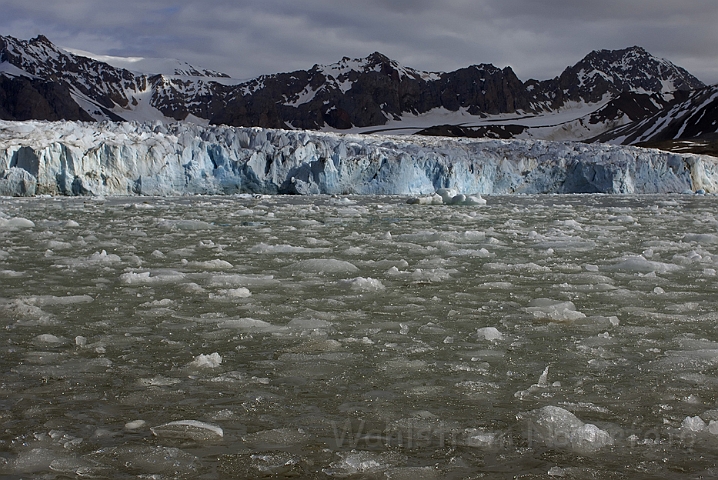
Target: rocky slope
[693, 118]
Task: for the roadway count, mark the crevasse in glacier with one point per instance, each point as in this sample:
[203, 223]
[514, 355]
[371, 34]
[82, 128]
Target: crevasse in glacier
[70, 158]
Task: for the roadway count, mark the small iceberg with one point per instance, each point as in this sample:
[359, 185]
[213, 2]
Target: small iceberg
[446, 196]
[188, 430]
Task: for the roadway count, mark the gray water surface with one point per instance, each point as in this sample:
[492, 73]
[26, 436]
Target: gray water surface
[360, 337]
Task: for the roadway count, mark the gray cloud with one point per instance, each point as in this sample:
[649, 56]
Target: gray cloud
[538, 39]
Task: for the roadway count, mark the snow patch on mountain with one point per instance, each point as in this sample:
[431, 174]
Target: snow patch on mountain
[150, 66]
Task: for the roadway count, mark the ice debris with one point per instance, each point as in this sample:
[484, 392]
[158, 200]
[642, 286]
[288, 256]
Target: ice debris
[556, 427]
[361, 284]
[491, 334]
[213, 360]
[445, 196]
[553, 310]
[188, 429]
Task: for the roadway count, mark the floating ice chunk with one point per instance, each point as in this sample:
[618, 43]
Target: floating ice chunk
[135, 424]
[103, 258]
[413, 473]
[323, 265]
[80, 341]
[694, 424]
[33, 460]
[475, 200]
[215, 264]
[165, 302]
[554, 310]
[264, 465]
[43, 300]
[430, 275]
[713, 427]
[639, 264]
[158, 254]
[188, 429]
[462, 199]
[490, 333]
[363, 462]
[212, 360]
[223, 280]
[250, 324]
[429, 200]
[446, 195]
[71, 224]
[185, 225]
[362, 284]
[16, 223]
[145, 278]
[543, 379]
[480, 438]
[600, 321]
[559, 428]
[517, 267]
[556, 472]
[159, 381]
[49, 338]
[704, 238]
[276, 249]
[240, 292]
[459, 199]
[276, 438]
[309, 323]
[658, 291]
[153, 462]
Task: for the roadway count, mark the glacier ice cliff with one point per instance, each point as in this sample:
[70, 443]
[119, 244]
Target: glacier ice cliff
[72, 158]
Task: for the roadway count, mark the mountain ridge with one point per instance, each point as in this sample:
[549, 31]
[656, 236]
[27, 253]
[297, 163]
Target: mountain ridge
[607, 89]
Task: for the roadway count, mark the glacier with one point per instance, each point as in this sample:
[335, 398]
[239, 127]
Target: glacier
[110, 159]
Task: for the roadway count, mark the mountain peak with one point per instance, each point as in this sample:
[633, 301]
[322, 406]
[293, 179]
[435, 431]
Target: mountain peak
[378, 57]
[42, 39]
[630, 69]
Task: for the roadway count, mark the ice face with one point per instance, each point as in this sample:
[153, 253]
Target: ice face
[69, 158]
[358, 336]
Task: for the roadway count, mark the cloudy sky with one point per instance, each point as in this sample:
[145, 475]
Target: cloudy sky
[537, 38]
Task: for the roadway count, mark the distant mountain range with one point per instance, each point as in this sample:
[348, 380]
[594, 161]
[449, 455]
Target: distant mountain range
[616, 96]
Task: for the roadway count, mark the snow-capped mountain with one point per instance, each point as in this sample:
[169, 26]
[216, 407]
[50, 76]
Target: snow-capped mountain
[605, 90]
[41, 81]
[613, 72]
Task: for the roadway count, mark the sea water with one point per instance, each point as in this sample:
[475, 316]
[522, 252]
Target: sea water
[359, 337]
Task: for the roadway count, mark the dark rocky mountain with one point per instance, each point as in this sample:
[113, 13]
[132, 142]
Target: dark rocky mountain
[41, 81]
[611, 73]
[690, 125]
[368, 92]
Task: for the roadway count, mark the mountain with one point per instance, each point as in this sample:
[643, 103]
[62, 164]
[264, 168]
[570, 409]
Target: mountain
[687, 126]
[694, 117]
[42, 81]
[605, 90]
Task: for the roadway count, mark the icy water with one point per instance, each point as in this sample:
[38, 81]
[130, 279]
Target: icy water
[359, 337]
